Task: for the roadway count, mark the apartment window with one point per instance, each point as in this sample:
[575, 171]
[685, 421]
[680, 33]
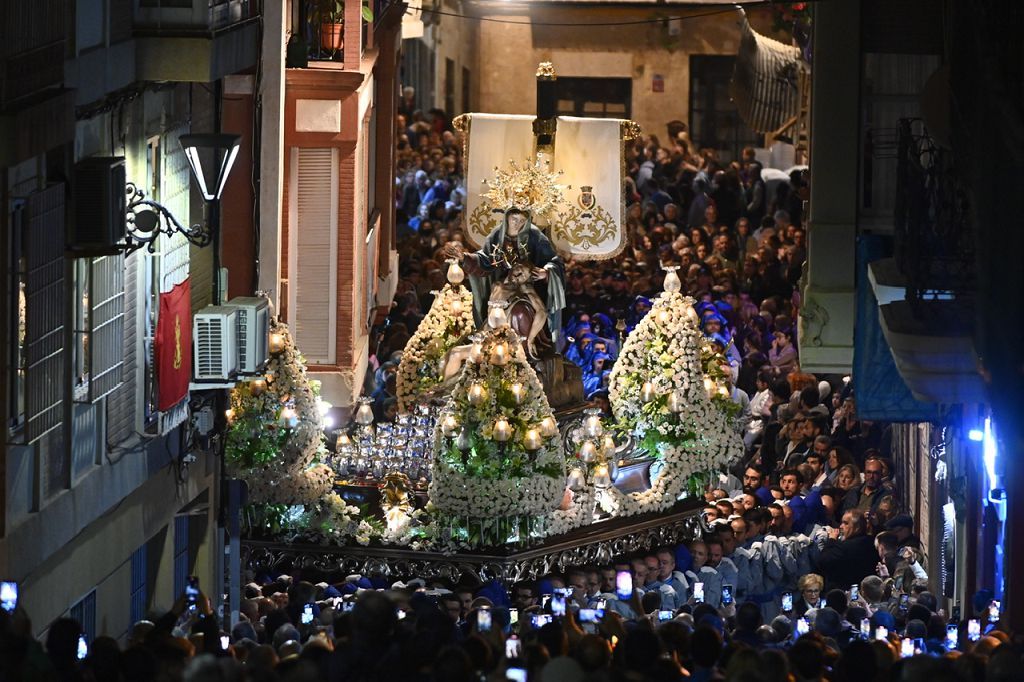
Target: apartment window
[150, 292]
[84, 611]
[80, 349]
[98, 350]
[16, 323]
[714, 120]
[595, 97]
[449, 86]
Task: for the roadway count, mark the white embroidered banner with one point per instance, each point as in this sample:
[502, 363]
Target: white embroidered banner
[587, 225]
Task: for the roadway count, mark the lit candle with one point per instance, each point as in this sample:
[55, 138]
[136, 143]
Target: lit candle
[455, 307]
[601, 476]
[588, 451]
[709, 386]
[502, 430]
[691, 315]
[548, 427]
[258, 387]
[676, 402]
[229, 414]
[647, 392]
[518, 392]
[343, 441]
[449, 424]
[608, 447]
[276, 342]
[477, 395]
[499, 354]
[663, 317]
[532, 440]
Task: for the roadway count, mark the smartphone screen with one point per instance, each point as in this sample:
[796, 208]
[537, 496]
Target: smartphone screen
[558, 605]
[307, 614]
[907, 648]
[665, 614]
[483, 620]
[952, 636]
[726, 594]
[787, 601]
[698, 592]
[588, 615]
[513, 616]
[955, 616]
[974, 629]
[993, 612]
[225, 642]
[865, 627]
[516, 674]
[802, 626]
[192, 592]
[8, 596]
[512, 648]
[881, 634]
[348, 606]
[904, 601]
[401, 614]
[545, 599]
[624, 585]
[83, 647]
[539, 620]
[854, 592]
[602, 604]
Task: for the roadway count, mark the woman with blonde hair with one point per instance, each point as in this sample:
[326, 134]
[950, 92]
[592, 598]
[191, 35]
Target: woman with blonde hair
[810, 586]
[848, 477]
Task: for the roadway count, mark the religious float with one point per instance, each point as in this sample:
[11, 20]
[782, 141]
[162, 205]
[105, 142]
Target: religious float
[495, 465]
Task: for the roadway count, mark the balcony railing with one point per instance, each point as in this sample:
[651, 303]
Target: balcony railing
[31, 72]
[934, 234]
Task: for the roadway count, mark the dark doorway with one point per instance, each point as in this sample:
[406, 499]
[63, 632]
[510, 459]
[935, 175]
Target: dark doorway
[595, 97]
[714, 121]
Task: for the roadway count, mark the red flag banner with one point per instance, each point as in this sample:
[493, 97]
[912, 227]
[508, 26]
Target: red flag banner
[173, 346]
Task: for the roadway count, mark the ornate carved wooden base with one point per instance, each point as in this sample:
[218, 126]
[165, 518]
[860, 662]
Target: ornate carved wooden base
[595, 544]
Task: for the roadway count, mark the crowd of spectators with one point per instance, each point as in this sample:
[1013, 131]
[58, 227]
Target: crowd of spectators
[638, 618]
[805, 569]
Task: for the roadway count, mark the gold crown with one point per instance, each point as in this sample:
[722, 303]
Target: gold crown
[528, 186]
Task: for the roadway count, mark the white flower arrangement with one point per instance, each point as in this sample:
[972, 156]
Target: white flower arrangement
[293, 474]
[475, 474]
[662, 355]
[436, 334]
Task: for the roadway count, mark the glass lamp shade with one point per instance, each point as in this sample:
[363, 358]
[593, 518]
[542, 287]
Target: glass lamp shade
[476, 351]
[548, 427]
[592, 423]
[455, 307]
[497, 317]
[364, 414]
[532, 440]
[211, 156]
[602, 478]
[672, 282]
[577, 480]
[499, 354]
[588, 452]
[691, 316]
[502, 430]
[456, 275]
[518, 392]
[647, 392]
[676, 402]
[477, 395]
[276, 342]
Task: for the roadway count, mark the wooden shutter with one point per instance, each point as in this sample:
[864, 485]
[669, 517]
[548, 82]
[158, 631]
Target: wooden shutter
[106, 325]
[313, 253]
[44, 312]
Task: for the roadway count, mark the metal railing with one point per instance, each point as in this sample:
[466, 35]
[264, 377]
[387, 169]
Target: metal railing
[933, 232]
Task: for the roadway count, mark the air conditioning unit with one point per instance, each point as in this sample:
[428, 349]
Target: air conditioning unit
[215, 343]
[99, 224]
[253, 332]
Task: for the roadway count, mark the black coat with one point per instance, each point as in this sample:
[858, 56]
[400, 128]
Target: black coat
[846, 562]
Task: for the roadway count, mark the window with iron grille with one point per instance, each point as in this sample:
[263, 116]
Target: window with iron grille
[594, 97]
[84, 611]
[139, 588]
[714, 120]
[182, 565]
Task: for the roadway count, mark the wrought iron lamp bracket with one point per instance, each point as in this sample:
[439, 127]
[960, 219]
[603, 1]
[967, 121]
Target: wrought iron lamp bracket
[146, 220]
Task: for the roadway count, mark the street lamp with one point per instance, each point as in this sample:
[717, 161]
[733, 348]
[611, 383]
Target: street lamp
[211, 156]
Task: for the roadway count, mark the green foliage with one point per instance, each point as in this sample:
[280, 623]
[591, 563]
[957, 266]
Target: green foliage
[255, 436]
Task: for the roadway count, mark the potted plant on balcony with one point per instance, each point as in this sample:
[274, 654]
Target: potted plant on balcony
[328, 21]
